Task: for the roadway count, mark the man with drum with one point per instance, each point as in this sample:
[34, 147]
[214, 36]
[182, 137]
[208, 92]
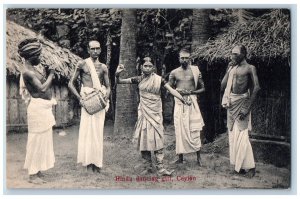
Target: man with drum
[94, 76]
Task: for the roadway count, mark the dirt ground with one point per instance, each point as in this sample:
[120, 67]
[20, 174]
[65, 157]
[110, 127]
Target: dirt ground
[120, 157]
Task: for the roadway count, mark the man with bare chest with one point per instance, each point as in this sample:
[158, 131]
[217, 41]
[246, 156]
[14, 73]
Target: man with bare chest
[35, 89]
[241, 86]
[188, 121]
[94, 75]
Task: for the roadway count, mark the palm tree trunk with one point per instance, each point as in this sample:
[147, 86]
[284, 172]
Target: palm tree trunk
[126, 96]
[200, 27]
[200, 31]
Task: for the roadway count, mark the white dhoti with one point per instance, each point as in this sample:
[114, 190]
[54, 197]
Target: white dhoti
[90, 141]
[240, 149]
[39, 150]
[188, 123]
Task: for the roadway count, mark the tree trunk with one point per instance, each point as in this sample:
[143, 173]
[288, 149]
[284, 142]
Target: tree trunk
[200, 27]
[200, 31]
[126, 96]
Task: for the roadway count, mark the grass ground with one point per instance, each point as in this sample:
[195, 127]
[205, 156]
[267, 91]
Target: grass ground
[119, 159]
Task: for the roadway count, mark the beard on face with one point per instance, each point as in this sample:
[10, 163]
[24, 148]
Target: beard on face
[233, 63]
[184, 64]
[237, 60]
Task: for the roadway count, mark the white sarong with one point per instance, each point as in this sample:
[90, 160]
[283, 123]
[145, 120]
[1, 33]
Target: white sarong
[39, 150]
[240, 149]
[90, 141]
[188, 123]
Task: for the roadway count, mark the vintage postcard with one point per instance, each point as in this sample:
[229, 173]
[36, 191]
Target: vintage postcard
[148, 98]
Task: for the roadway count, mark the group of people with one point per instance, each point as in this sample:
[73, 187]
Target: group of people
[185, 83]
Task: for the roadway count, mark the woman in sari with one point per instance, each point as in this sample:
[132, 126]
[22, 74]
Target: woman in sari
[149, 130]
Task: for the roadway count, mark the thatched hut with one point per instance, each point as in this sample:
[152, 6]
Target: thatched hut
[53, 56]
[267, 39]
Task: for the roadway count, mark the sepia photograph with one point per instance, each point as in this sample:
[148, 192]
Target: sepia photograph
[148, 98]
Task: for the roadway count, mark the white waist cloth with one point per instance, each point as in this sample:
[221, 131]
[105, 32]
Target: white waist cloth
[188, 123]
[39, 150]
[90, 141]
[39, 115]
[240, 149]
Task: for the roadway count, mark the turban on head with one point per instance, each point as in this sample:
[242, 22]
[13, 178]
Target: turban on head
[29, 48]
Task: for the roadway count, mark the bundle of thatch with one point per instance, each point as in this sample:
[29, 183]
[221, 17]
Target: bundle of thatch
[266, 37]
[52, 56]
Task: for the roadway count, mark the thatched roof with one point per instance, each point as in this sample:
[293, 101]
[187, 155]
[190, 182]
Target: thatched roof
[266, 37]
[53, 56]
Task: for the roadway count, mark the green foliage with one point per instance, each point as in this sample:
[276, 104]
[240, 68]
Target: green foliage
[83, 24]
[163, 30]
[160, 31]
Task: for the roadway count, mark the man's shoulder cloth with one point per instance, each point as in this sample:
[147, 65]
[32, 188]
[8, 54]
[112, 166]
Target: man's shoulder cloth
[195, 67]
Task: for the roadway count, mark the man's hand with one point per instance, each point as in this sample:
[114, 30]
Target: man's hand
[137, 60]
[187, 102]
[81, 101]
[106, 97]
[120, 69]
[52, 72]
[187, 92]
[184, 91]
[242, 115]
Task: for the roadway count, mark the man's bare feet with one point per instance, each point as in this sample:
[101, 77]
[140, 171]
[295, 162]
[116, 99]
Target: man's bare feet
[233, 172]
[250, 173]
[96, 169]
[242, 171]
[34, 179]
[40, 174]
[199, 163]
[89, 168]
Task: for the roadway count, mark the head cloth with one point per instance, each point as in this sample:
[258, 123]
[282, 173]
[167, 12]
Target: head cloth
[28, 48]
